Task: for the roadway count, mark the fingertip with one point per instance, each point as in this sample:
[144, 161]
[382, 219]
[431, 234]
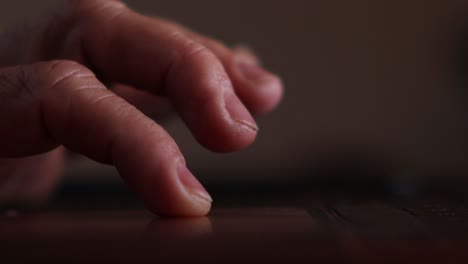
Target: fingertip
[260, 90]
[198, 195]
[232, 129]
[204, 96]
[245, 53]
[178, 194]
[243, 128]
[164, 184]
[269, 93]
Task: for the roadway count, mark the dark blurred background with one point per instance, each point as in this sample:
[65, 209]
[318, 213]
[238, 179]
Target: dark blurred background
[370, 84]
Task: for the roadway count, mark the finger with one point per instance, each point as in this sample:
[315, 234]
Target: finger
[157, 107]
[68, 105]
[259, 90]
[129, 48]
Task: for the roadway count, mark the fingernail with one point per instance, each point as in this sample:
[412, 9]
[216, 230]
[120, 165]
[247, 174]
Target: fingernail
[192, 185]
[239, 113]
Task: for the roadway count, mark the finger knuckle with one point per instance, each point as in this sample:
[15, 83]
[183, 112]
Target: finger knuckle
[86, 6]
[193, 51]
[61, 74]
[217, 46]
[187, 49]
[70, 21]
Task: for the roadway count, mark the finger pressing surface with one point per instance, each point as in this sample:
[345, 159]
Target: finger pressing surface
[78, 111]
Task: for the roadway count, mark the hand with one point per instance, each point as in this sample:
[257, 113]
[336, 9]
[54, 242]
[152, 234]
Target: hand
[50, 97]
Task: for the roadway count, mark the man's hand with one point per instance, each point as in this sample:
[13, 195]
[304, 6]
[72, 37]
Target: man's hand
[50, 96]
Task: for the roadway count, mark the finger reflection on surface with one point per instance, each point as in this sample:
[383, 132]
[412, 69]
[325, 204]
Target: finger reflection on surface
[230, 235]
[227, 235]
[233, 223]
[179, 228]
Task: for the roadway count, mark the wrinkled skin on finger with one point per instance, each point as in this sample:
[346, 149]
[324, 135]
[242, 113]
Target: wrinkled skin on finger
[154, 68]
